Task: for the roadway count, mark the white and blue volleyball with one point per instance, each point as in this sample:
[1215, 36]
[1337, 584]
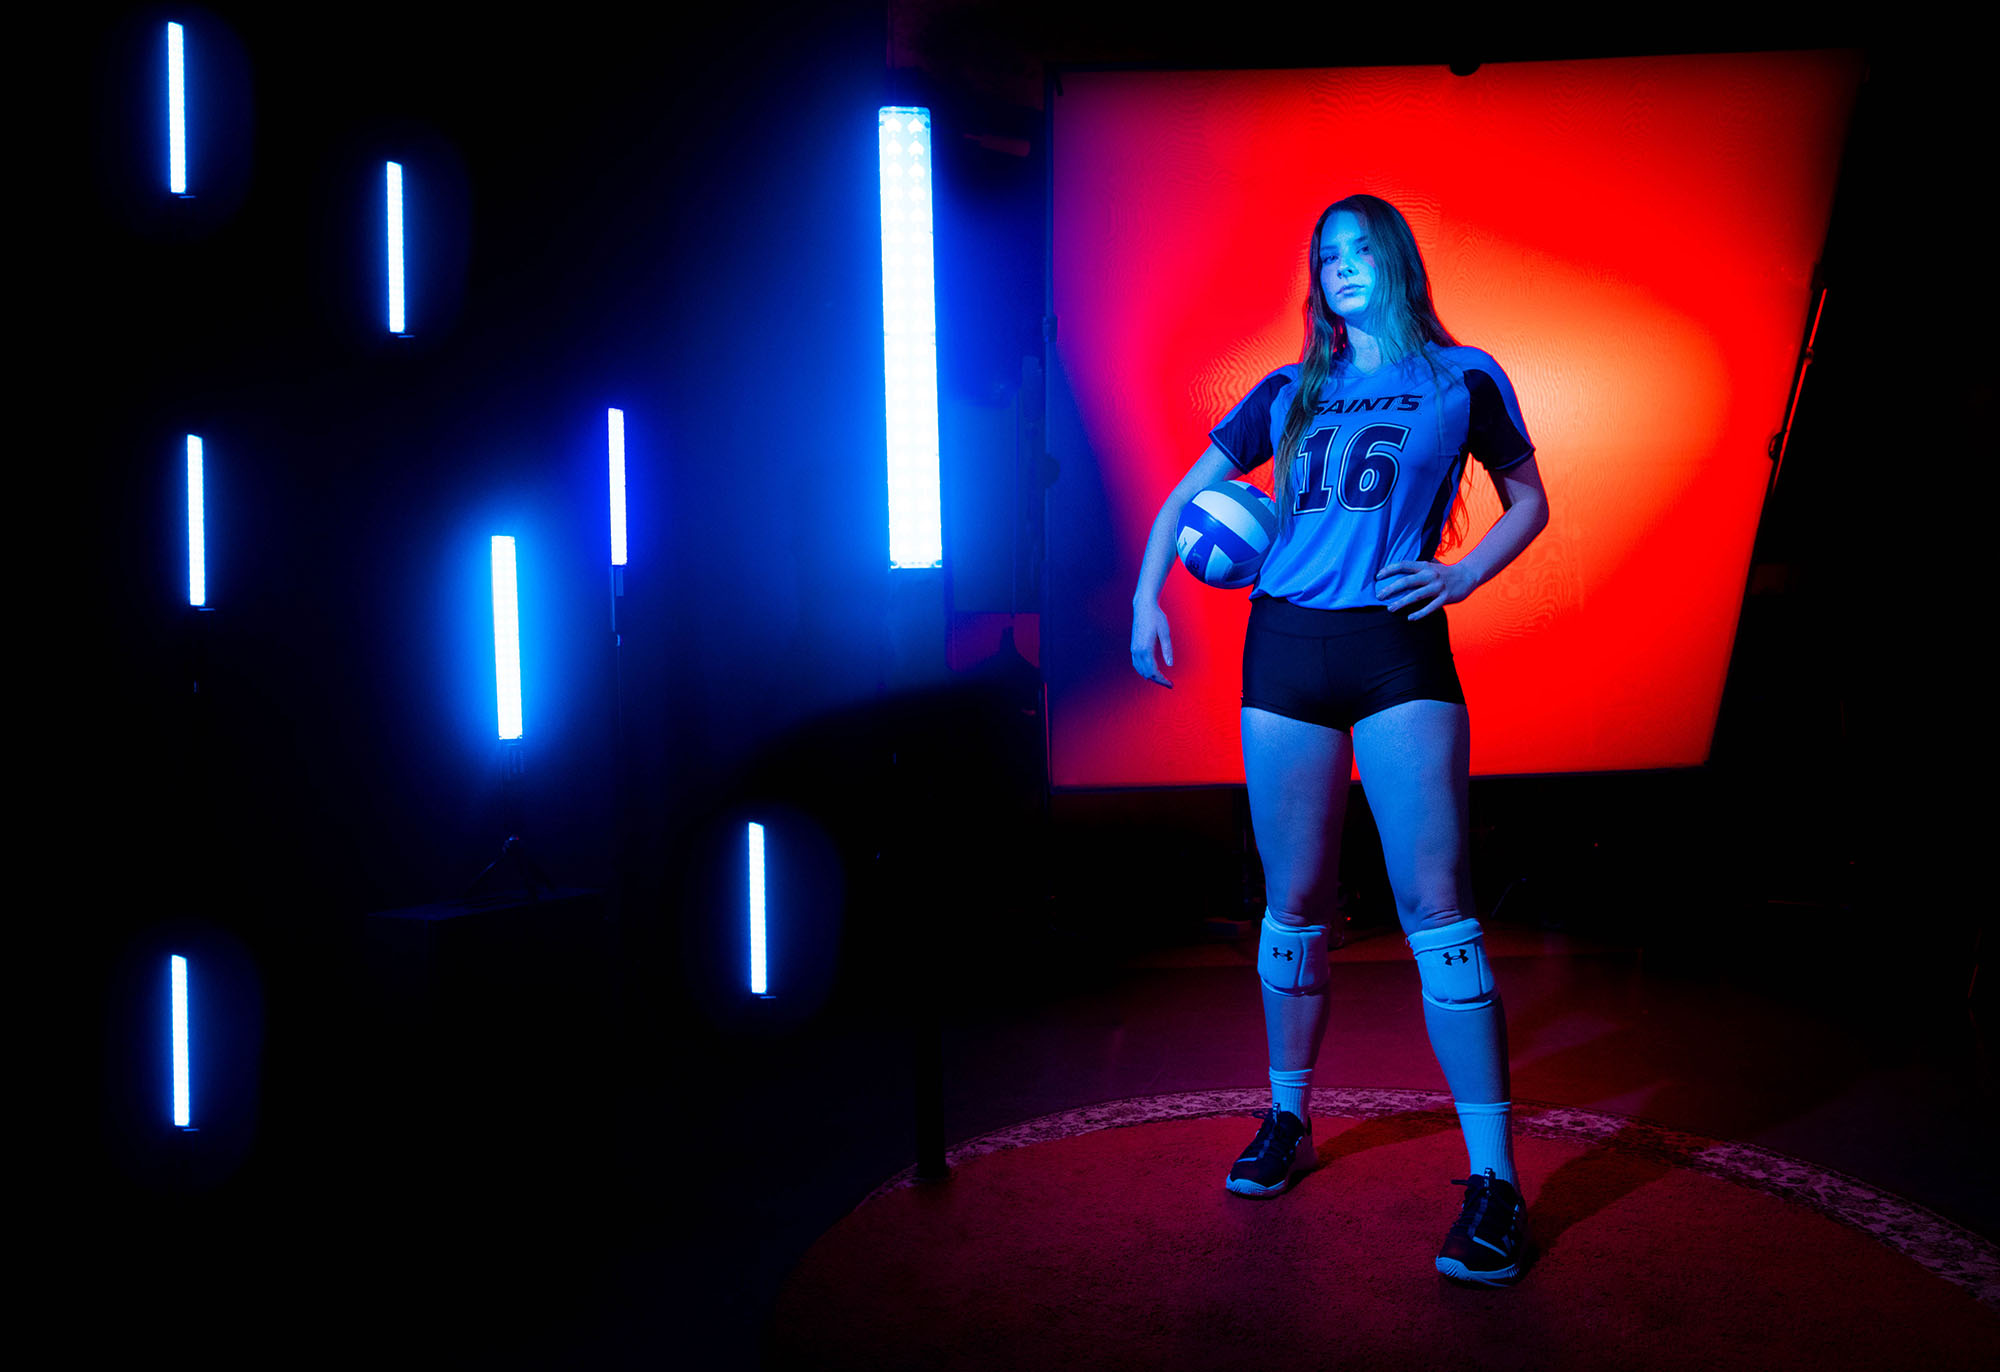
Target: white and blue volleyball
[1225, 532]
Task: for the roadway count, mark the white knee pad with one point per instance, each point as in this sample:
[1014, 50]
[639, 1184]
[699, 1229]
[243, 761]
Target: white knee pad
[1451, 961]
[1292, 960]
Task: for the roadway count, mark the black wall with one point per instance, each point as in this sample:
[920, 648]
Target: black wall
[661, 220]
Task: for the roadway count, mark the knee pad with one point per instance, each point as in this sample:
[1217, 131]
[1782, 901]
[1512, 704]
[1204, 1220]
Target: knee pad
[1451, 961]
[1292, 960]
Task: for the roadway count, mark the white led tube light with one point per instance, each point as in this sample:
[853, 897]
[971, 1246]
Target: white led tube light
[197, 527]
[396, 319]
[909, 338]
[506, 637]
[760, 981]
[177, 180]
[617, 437]
[178, 974]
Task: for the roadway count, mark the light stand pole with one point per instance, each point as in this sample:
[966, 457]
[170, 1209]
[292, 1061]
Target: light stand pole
[507, 691]
[621, 767]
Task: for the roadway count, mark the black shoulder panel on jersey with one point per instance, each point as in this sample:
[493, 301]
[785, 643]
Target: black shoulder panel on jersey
[1245, 433]
[1492, 434]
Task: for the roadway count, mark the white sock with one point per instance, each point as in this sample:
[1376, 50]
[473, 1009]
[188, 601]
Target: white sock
[1293, 1091]
[1488, 1141]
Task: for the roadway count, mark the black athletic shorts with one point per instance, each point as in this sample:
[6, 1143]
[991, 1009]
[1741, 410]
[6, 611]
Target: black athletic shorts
[1332, 667]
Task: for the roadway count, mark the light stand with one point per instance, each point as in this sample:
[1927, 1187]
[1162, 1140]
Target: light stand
[507, 699]
[513, 852]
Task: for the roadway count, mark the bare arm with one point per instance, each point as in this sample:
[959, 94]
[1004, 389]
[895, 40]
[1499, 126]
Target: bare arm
[1149, 621]
[1433, 585]
[1211, 467]
[1527, 513]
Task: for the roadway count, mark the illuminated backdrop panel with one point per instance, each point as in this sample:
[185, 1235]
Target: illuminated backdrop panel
[1632, 239]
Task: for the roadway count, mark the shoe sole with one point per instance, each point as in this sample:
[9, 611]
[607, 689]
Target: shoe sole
[1458, 1271]
[1304, 1161]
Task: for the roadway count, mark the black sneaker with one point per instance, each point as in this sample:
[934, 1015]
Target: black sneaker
[1279, 1155]
[1485, 1244]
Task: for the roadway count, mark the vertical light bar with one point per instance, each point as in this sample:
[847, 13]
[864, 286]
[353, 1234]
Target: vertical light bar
[177, 180]
[909, 338]
[396, 320]
[506, 637]
[197, 527]
[759, 978]
[617, 424]
[178, 973]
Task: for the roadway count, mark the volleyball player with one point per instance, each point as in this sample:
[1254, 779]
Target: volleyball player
[1347, 656]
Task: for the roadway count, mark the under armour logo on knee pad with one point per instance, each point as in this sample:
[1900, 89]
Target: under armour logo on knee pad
[1464, 955]
[1282, 953]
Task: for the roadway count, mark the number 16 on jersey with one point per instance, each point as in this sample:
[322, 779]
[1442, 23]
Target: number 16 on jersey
[1365, 475]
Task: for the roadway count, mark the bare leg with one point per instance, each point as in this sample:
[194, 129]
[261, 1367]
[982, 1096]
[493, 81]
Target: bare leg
[1297, 774]
[1416, 762]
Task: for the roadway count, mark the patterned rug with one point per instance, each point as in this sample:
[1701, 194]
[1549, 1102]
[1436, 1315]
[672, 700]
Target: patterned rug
[1102, 1237]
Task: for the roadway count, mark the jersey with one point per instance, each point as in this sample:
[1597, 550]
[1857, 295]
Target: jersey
[1374, 477]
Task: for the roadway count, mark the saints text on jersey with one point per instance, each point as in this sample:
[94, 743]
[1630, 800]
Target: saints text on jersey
[1382, 402]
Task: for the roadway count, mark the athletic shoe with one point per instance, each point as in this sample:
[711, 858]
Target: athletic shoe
[1484, 1245]
[1280, 1154]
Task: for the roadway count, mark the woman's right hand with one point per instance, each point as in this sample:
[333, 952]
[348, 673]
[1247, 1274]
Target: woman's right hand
[1149, 623]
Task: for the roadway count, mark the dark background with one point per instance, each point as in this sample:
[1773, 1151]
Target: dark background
[679, 218]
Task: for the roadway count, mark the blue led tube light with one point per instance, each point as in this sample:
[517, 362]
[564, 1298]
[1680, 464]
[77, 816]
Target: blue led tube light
[197, 527]
[506, 637]
[909, 338]
[177, 180]
[760, 983]
[396, 320]
[177, 972]
[617, 438]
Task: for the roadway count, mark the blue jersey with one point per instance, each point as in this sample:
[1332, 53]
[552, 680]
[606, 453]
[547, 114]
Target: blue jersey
[1374, 477]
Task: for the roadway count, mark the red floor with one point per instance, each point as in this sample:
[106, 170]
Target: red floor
[1867, 1067]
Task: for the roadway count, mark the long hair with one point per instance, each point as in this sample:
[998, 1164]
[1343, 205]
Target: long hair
[1411, 325]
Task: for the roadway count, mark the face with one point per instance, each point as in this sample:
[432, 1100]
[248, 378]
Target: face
[1346, 265]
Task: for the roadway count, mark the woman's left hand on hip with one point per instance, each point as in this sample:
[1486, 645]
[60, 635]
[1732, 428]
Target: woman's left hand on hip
[1432, 585]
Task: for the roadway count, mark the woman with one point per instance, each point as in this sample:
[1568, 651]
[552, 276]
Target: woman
[1347, 655]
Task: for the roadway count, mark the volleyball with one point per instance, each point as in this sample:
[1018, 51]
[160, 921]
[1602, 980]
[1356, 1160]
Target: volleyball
[1225, 532]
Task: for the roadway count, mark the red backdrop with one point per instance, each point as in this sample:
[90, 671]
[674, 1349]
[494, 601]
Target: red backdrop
[1632, 239]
